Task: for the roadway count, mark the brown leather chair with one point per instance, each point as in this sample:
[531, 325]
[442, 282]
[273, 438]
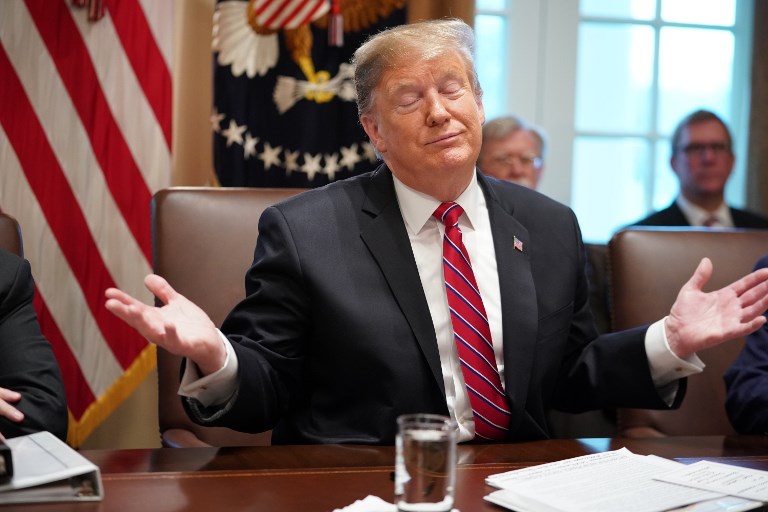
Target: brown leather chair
[203, 242]
[647, 267]
[10, 234]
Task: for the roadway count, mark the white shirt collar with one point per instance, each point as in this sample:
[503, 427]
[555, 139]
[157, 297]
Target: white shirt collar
[697, 216]
[417, 207]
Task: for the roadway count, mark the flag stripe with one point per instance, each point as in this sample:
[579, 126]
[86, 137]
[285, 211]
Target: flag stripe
[77, 386]
[72, 61]
[129, 105]
[59, 119]
[61, 211]
[55, 282]
[145, 56]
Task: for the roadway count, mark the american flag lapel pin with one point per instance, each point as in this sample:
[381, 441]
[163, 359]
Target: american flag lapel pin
[518, 244]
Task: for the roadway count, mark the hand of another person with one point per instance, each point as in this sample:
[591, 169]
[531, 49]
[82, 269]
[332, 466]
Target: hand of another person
[178, 326]
[700, 320]
[7, 397]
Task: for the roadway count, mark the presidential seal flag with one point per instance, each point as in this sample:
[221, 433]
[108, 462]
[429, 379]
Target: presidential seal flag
[85, 140]
[284, 104]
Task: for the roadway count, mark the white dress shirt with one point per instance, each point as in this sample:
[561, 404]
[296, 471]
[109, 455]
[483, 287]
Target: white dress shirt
[697, 216]
[426, 237]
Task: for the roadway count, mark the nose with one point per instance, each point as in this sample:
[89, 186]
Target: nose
[436, 111]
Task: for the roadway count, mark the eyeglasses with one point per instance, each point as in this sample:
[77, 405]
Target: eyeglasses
[523, 160]
[696, 149]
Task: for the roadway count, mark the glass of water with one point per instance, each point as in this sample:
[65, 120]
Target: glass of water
[425, 463]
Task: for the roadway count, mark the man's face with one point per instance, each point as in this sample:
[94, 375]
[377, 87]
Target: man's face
[703, 160]
[515, 157]
[427, 124]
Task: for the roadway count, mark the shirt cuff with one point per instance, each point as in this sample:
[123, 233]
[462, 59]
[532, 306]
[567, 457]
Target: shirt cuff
[666, 367]
[213, 389]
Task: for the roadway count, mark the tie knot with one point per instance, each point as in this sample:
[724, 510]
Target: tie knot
[448, 213]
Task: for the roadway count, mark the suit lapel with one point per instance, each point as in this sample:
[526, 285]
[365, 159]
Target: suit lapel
[518, 296]
[387, 239]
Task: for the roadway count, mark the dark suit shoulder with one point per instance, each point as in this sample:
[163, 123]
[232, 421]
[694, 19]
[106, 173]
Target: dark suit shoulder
[747, 219]
[521, 200]
[669, 216]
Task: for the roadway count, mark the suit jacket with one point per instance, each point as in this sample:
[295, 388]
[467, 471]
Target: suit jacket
[673, 216]
[747, 382]
[335, 339]
[27, 363]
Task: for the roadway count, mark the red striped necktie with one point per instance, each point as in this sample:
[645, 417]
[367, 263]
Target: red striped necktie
[471, 331]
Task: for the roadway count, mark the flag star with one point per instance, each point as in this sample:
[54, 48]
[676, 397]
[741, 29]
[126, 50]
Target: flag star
[311, 165]
[249, 148]
[216, 120]
[291, 161]
[234, 133]
[369, 152]
[270, 156]
[331, 165]
[349, 156]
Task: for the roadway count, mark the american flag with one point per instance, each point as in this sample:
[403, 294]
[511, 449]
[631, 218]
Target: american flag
[85, 140]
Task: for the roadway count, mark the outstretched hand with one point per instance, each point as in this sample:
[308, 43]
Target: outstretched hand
[700, 320]
[178, 326]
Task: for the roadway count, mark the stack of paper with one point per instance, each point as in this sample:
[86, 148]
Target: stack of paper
[622, 480]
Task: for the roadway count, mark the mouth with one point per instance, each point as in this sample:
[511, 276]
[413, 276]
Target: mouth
[446, 138]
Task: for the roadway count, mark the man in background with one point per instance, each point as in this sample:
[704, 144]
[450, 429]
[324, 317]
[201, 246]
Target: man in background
[512, 150]
[702, 159]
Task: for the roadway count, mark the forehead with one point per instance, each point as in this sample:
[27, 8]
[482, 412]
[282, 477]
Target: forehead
[525, 139]
[709, 130]
[405, 71]
[518, 141]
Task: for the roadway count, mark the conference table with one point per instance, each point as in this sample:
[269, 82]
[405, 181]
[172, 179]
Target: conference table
[326, 477]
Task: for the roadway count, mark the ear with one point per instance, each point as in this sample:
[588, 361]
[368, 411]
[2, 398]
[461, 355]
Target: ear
[481, 110]
[371, 127]
[673, 164]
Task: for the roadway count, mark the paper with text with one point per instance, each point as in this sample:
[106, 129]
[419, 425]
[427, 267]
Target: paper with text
[603, 482]
[725, 478]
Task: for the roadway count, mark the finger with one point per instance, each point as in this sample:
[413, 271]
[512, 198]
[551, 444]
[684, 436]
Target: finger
[160, 288]
[9, 395]
[10, 412]
[701, 275]
[755, 282]
[753, 304]
[748, 327]
[120, 296]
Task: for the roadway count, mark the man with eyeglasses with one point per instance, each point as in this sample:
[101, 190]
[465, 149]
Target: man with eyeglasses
[702, 158]
[513, 151]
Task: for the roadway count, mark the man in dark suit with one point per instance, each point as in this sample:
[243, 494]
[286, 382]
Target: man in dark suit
[702, 159]
[31, 389]
[747, 382]
[347, 322]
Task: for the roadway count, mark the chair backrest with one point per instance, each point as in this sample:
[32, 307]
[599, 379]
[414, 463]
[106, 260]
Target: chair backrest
[203, 242]
[648, 266]
[10, 234]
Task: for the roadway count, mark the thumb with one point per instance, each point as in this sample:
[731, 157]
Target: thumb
[701, 275]
[160, 288]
